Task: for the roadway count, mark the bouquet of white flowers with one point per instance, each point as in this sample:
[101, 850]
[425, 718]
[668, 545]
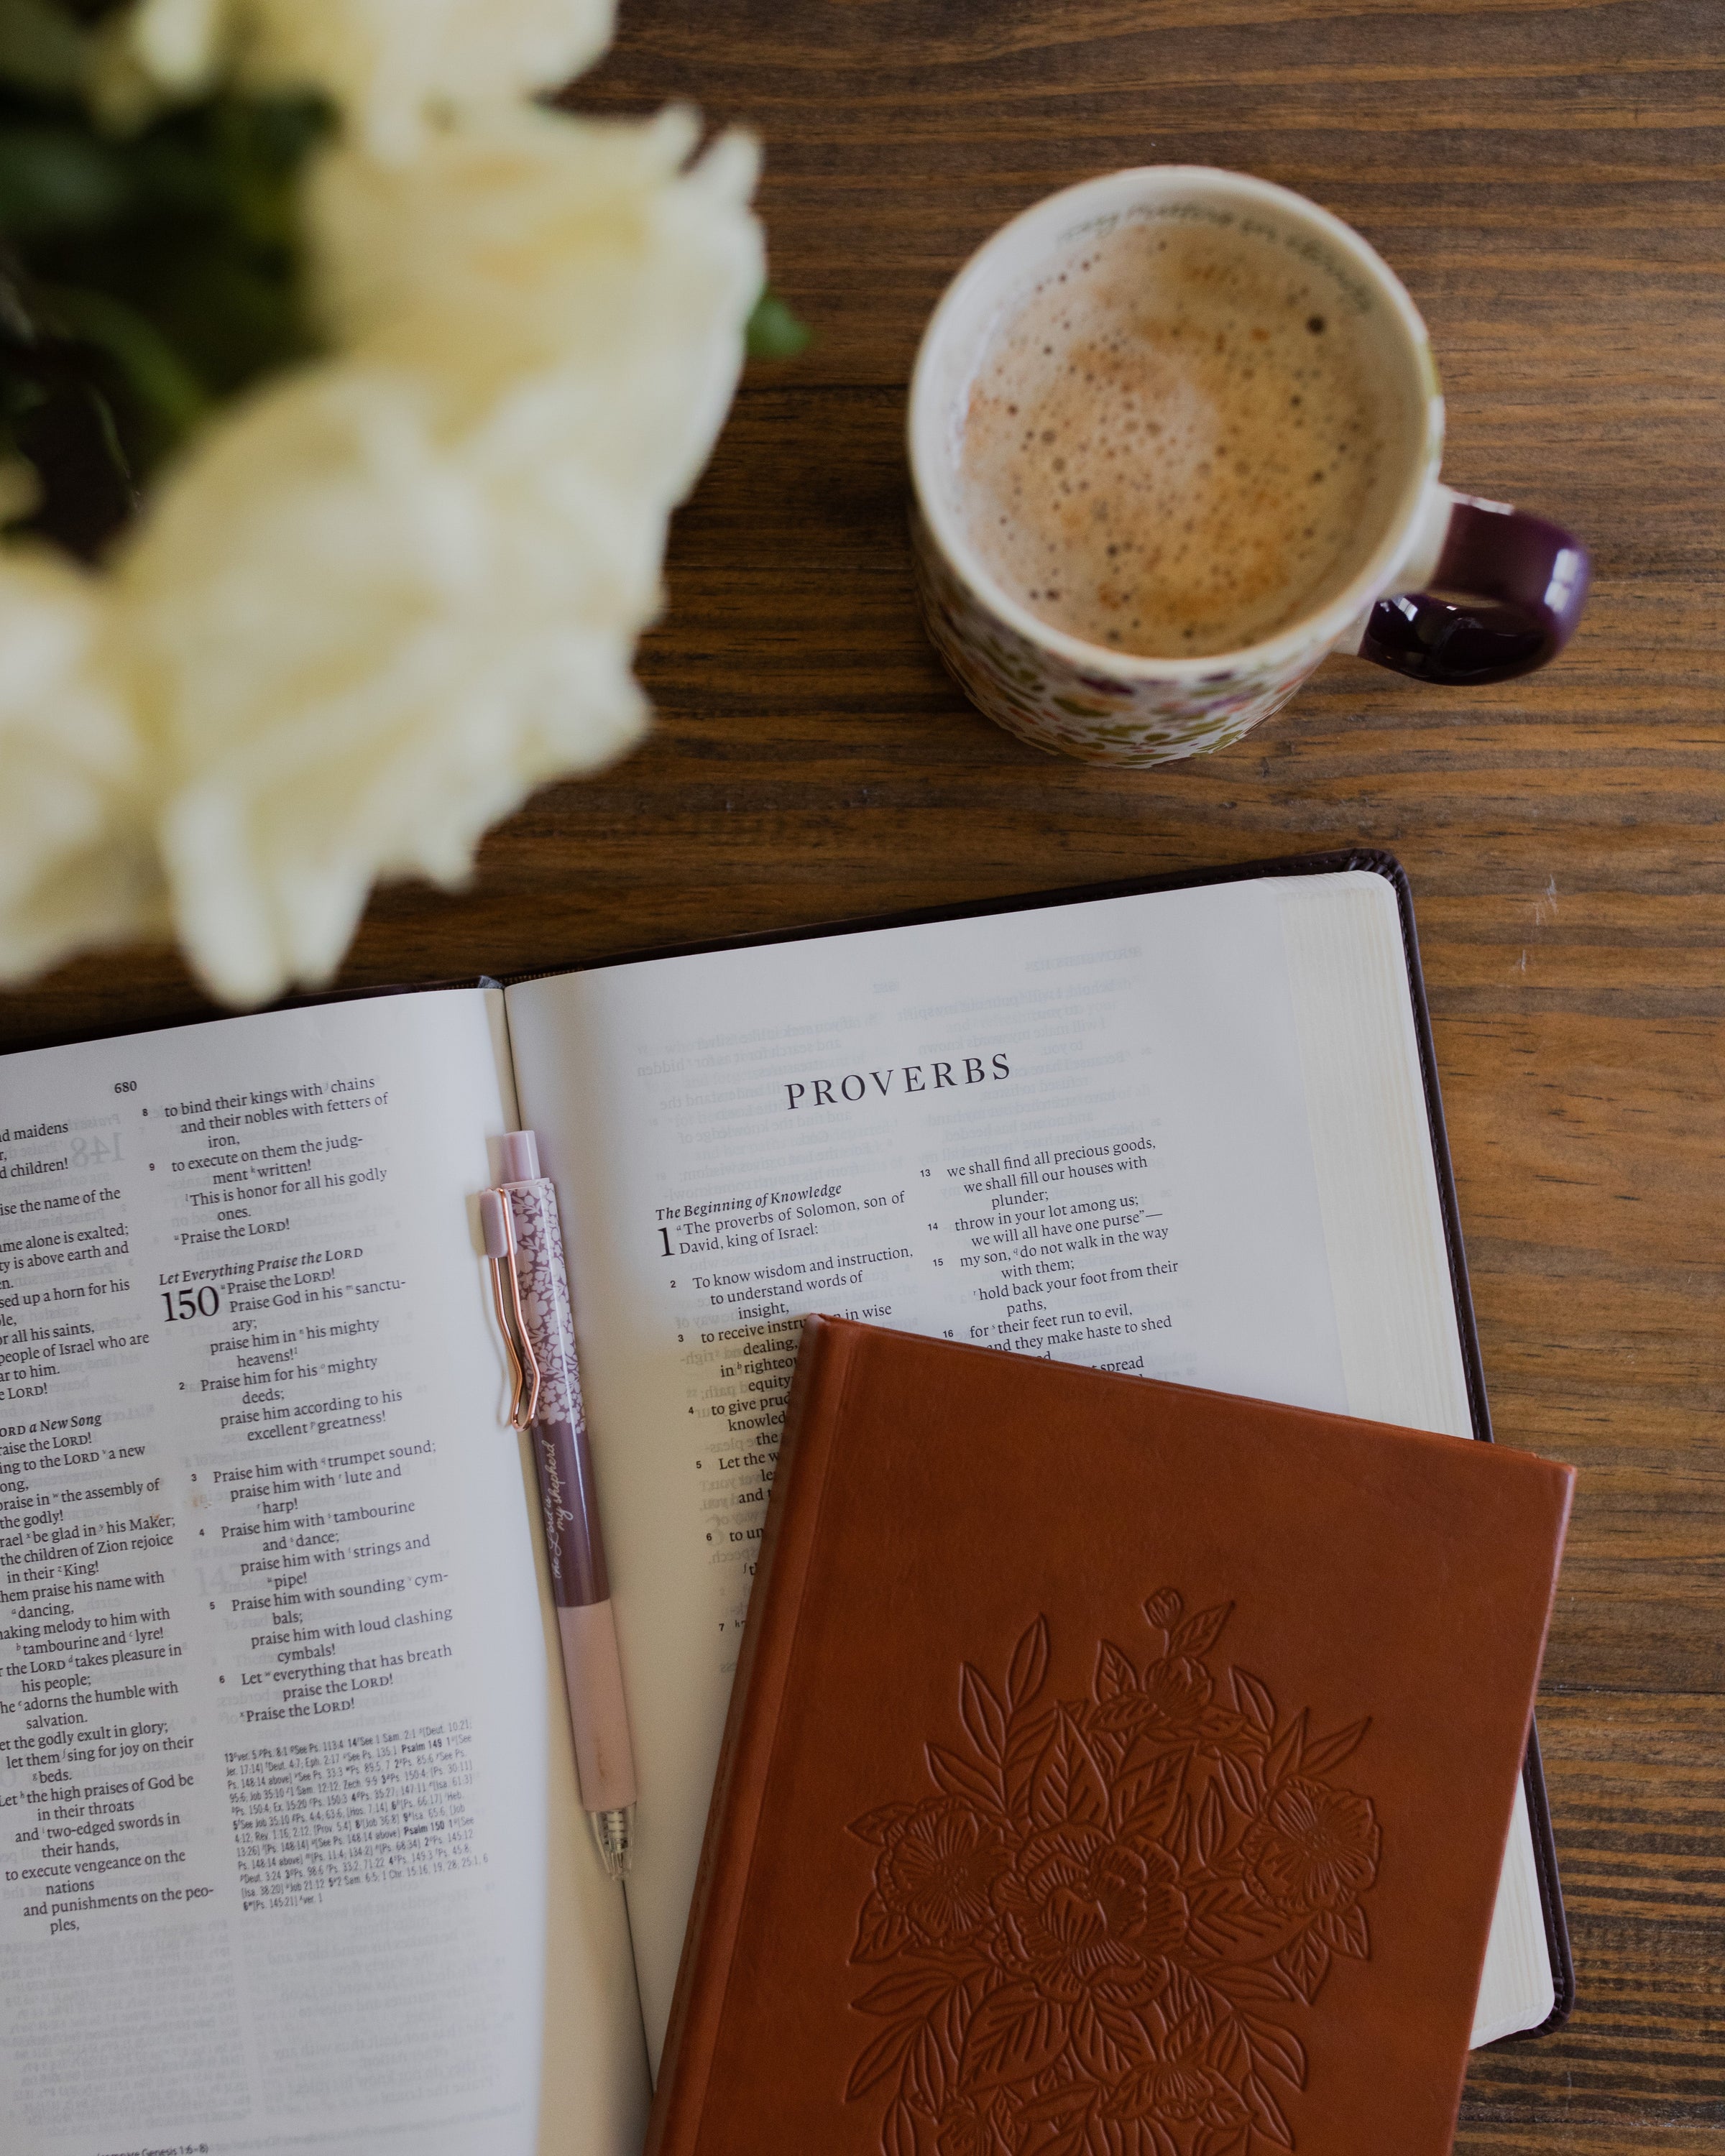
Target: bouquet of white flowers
[345, 393]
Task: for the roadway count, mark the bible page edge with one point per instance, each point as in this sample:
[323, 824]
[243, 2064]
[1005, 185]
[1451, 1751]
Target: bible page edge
[1395, 1305]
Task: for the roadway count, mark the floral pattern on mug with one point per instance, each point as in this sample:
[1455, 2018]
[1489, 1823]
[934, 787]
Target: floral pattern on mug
[1045, 699]
[1094, 1931]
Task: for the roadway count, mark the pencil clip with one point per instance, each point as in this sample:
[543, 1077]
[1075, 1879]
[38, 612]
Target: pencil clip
[497, 1223]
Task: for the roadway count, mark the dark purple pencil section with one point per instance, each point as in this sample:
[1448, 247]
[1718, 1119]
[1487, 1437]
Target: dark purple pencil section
[572, 1540]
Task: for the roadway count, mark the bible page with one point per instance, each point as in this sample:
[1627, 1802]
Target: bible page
[1389, 1270]
[1079, 1131]
[285, 1783]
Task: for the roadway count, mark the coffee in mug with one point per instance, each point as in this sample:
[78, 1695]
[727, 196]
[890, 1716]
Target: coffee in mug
[1171, 444]
[1174, 437]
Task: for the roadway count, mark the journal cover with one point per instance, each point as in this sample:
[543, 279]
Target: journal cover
[1112, 1767]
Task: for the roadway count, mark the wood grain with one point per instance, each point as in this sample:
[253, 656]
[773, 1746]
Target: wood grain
[1548, 178]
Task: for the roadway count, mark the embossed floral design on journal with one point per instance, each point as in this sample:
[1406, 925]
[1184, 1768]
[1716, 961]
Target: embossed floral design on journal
[1099, 1931]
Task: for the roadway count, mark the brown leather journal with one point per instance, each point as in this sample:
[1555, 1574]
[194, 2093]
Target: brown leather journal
[1113, 1769]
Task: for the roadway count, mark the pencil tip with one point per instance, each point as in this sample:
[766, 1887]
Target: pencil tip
[614, 1832]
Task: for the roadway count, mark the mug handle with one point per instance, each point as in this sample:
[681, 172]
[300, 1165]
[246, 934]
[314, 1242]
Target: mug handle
[1518, 584]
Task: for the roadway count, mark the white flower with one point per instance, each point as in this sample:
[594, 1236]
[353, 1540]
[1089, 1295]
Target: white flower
[362, 642]
[176, 44]
[526, 240]
[379, 604]
[75, 861]
[394, 64]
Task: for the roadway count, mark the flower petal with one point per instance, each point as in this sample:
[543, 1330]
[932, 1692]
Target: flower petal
[393, 62]
[76, 865]
[380, 602]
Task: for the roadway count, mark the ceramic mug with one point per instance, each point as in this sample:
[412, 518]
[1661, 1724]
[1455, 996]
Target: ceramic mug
[1446, 587]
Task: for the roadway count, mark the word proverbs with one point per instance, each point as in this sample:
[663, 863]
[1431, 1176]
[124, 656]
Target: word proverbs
[902, 1078]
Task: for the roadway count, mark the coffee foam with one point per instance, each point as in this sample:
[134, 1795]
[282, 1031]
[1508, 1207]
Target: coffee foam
[1171, 444]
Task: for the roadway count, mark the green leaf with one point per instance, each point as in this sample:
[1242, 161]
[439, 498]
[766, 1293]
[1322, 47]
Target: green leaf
[64, 427]
[41, 47]
[150, 365]
[261, 144]
[164, 269]
[56, 178]
[773, 331]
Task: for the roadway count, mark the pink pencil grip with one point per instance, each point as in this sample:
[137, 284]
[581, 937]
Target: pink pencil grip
[603, 1753]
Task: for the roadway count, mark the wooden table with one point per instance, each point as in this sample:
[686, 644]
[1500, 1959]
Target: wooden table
[1548, 181]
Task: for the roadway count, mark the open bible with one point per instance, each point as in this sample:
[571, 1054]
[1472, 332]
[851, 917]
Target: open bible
[291, 1853]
